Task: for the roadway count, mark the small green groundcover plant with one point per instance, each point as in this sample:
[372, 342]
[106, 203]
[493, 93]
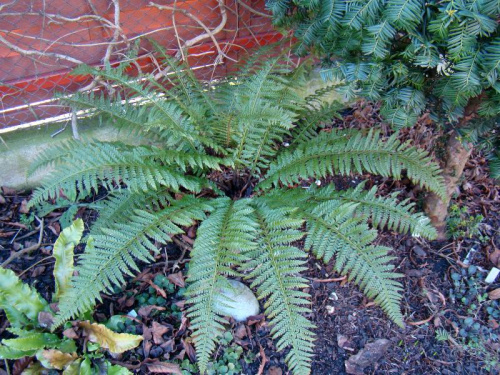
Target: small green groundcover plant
[240, 158]
[31, 316]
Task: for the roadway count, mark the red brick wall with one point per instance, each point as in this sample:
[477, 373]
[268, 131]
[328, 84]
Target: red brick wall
[27, 24]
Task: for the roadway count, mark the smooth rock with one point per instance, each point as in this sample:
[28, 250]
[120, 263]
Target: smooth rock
[238, 302]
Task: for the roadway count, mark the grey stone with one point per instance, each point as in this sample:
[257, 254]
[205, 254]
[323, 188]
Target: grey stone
[238, 302]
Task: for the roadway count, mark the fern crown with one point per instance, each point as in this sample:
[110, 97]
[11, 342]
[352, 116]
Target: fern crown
[215, 157]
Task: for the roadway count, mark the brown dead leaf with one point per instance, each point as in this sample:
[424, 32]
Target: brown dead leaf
[494, 257]
[274, 370]
[159, 290]
[24, 207]
[20, 365]
[145, 311]
[158, 330]
[38, 271]
[177, 279]
[240, 332]
[494, 294]
[263, 361]
[70, 333]
[344, 343]
[164, 368]
[189, 349]
[45, 319]
[493, 324]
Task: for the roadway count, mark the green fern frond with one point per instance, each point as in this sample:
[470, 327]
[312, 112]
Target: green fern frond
[311, 119]
[337, 229]
[162, 114]
[220, 243]
[384, 212]
[92, 164]
[336, 153]
[275, 267]
[121, 204]
[111, 254]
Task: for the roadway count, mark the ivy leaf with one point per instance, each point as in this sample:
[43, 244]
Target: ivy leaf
[63, 252]
[114, 342]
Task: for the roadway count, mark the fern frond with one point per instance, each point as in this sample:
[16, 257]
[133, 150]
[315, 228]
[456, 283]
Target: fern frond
[93, 163]
[276, 267]
[161, 113]
[120, 204]
[384, 212]
[334, 230]
[335, 153]
[311, 119]
[220, 242]
[110, 255]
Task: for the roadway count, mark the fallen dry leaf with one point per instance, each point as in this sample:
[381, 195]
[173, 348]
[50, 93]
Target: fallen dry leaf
[177, 279]
[70, 333]
[24, 207]
[368, 356]
[145, 311]
[114, 342]
[158, 331]
[273, 370]
[494, 294]
[189, 349]
[164, 368]
[45, 319]
[159, 290]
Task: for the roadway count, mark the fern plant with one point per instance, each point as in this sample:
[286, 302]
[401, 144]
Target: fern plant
[411, 55]
[216, 157]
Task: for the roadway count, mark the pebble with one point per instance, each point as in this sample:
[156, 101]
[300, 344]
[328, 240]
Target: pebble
[238, 302]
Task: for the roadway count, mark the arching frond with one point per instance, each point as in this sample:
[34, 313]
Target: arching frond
[334, 153]
[220, 243]
[275, 267]
[97, 163]
[112, 253]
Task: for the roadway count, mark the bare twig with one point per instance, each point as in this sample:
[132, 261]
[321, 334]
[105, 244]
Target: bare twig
[58, 19]
[254, 11]
[116, 34]
[330, 280]
[28, 249]
[27, 52]
[208, 33]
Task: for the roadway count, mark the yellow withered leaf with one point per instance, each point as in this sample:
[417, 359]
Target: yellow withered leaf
[114, 342]
[57, 359]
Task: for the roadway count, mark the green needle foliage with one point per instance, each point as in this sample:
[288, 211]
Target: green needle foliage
[208, 147]
[411, 55]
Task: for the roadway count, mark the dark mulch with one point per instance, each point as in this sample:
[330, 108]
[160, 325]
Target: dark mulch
[346, 320]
